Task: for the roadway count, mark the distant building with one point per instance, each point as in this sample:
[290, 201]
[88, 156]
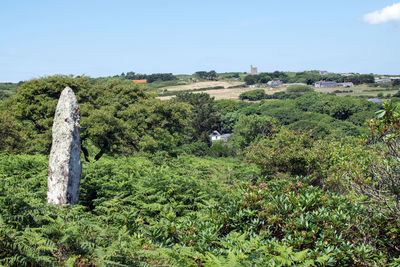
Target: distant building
[324, 84]
[253, 70]
[345, 85]
[215, 136]
[275, 83]
[323, 72]
[383, 80]
[376, 100]
[140, 81]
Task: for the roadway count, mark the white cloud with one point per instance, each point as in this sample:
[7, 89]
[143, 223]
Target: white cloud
[389, 13]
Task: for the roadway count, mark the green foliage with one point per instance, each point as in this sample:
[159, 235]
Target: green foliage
[253, 128]
[286, 152]
[171, 92]
[340, 108]
[35, 105]
[188, 211]
[210, 75]
[265, 77]
[150, 78]
[12, 135]
[117, 115]
[315, 129]
[307, 195]
[221, 149]
[251, 79]
[381, 184]
[252, 95]
[299, 89]
[8, 89]
[130, 209]
[203, 115]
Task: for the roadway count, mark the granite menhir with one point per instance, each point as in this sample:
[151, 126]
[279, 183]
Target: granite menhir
[65, 165]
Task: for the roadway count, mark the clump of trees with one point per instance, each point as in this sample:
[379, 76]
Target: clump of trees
[253, 95]
[149, 77]
[118, 116]
[206, 75]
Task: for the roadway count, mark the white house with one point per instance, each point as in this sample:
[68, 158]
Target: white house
[215, 136]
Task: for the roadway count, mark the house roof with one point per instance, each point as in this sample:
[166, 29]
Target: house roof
[214, 133]
[376, 100]
[140, 81]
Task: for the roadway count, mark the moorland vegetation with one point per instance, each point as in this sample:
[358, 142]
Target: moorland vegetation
[308, 179]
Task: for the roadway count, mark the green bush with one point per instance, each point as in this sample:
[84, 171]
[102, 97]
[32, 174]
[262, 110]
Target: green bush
[285, 152]
[252, 128]
[252, 95]
[221, 149]
[298, 88]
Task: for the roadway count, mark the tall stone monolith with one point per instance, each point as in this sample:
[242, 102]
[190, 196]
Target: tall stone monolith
[65, 165]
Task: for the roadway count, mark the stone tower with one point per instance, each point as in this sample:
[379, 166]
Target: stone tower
[253, 70]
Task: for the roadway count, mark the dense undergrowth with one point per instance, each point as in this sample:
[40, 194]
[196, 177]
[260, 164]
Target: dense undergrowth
[184, 211]
[294, 185]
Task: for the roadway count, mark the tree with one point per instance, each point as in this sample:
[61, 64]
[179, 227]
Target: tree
[253, 128]
[285, 152]
[384, 187]
[35, 104]
[211, 75]
[251, 79]
[253, 95]
[116, 115]
[12, 136]
[203, 117]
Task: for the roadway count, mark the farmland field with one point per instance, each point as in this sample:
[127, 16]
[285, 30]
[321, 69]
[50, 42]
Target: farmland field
[229, 93]
[207, 84]
[360, 90]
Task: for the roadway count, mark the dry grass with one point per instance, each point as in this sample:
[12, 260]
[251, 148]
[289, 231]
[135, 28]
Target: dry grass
[360, 90]
[199, 85]
[231, 93]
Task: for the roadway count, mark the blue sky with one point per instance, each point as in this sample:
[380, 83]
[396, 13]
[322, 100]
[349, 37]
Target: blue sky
[103, 38]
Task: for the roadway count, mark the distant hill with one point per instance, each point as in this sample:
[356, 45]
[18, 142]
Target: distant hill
[7, 89]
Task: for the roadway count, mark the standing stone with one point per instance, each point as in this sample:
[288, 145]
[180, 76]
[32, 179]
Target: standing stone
[65, 165]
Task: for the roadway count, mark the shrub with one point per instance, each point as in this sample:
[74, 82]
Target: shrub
[253, 95]
[285, 152]
[253, 128]
[221, 149]
[315, 129]
[298, 88]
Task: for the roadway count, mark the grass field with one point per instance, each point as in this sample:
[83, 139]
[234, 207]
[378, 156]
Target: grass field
[233, 93]
[230, 93]
[359, 90]
[208, 84]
